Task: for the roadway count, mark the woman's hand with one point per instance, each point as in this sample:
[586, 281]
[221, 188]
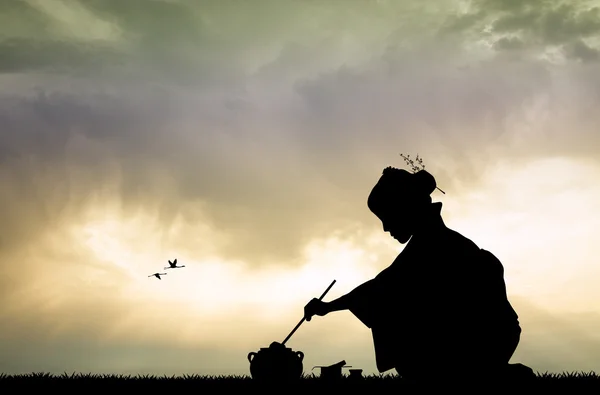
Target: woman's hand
[315, 307]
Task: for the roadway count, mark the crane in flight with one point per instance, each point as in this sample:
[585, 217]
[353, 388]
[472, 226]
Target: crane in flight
[173, 265]
[157, 275]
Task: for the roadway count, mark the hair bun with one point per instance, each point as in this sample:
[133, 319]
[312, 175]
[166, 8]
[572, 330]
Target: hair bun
[424, 182]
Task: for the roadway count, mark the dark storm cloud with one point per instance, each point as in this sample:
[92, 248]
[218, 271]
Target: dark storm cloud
[25, 55]
[537, 24]
[166, 39]
[185, 42]
[556, 25]
[581, 51]
[18, 18]
[509, 44]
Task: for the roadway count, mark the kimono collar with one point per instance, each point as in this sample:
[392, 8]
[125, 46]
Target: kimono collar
[432, 221]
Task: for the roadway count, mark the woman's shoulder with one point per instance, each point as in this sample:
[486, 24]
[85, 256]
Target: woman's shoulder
[458, 240]
[470, 251]
[477, 256]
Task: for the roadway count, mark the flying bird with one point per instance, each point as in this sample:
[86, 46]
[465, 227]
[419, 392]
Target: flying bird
[157, 275]
[173, 265]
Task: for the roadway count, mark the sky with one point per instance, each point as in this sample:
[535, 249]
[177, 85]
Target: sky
[243, 139]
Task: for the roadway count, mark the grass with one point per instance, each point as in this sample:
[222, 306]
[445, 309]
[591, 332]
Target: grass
[562, 382]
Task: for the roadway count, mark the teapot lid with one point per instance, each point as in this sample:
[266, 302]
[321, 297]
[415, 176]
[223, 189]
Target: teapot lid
[278, 345]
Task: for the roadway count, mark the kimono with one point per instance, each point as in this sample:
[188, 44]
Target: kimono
[440, 305]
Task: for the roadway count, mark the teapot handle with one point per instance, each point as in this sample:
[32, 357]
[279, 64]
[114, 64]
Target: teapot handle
[251, 356]
[300, 355]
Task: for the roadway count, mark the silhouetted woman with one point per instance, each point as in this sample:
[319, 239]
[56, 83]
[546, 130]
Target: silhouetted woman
[441, 307]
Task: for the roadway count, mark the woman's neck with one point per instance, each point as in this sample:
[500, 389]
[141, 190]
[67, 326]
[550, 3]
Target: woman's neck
[431, 219]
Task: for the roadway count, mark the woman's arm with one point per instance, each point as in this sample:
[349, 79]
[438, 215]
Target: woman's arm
[352, 298]
[362, 302]
[362, 295]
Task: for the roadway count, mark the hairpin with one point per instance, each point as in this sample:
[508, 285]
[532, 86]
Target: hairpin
[416, 165]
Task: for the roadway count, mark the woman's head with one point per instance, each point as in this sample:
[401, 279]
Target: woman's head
[399, 199]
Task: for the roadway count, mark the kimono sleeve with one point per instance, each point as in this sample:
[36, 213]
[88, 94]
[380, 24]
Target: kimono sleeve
[366, 301]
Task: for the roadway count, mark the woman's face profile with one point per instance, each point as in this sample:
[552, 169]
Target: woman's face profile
[398, 200]
[398, 223]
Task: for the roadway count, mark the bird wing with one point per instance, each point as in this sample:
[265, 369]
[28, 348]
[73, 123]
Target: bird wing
[175, 261]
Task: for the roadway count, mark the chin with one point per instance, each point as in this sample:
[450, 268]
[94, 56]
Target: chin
[402, 240]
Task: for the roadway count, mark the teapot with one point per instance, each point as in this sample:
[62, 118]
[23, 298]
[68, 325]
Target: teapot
[276, 363]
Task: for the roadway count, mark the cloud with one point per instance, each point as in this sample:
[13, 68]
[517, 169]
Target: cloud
[291, 144]
[168, 39]
[581, 51]
[539, 25]
[191, 43]
[509, 43]
[24, 55]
